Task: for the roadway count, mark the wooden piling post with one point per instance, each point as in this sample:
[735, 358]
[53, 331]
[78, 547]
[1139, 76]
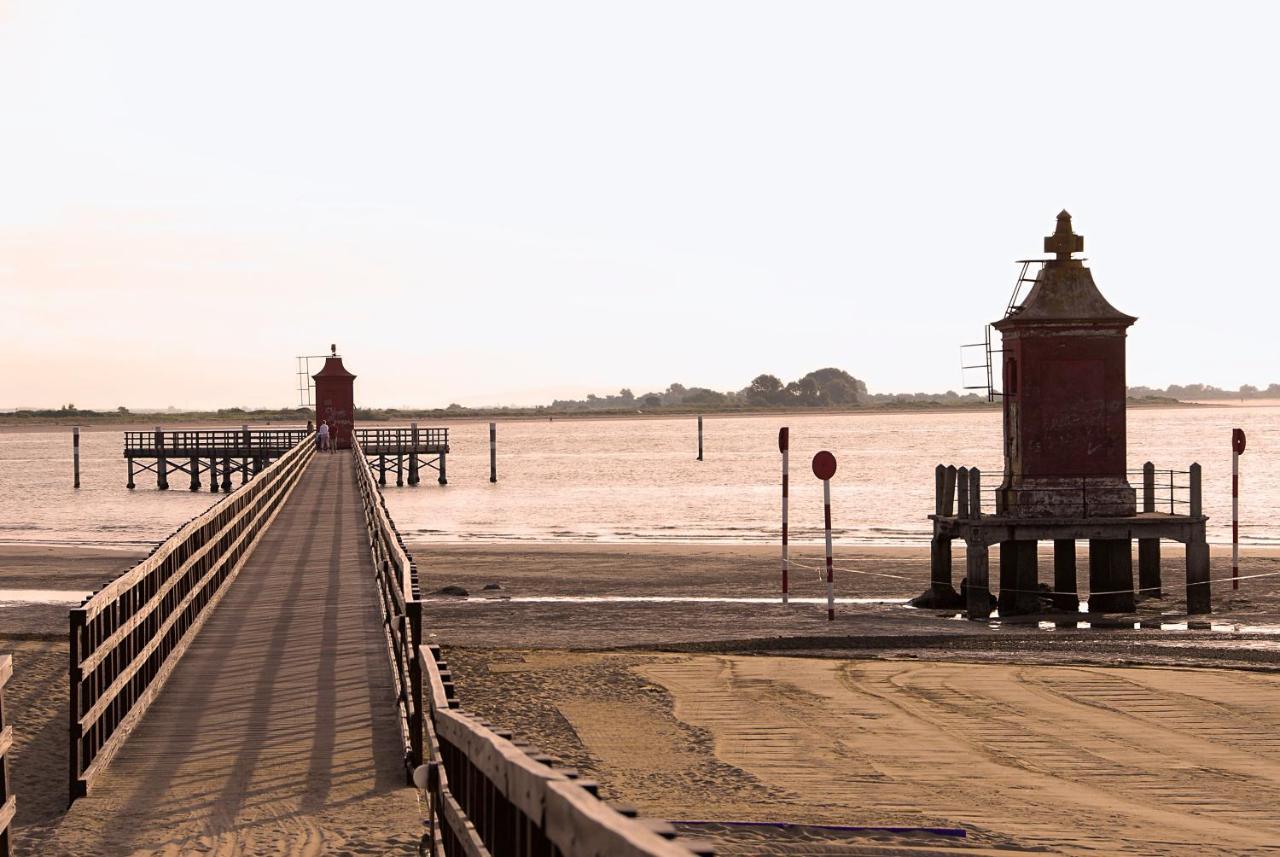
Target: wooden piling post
[245, 453]
[213, 475]
[939, 488]
[962, 492]
[1237, 449]
[975, 492]
[1019, 578]
[162, 464]
[194, 464]
[399, 457]
[443, 480]
[784, 446]
[129, 464]
[226, 474]
[382, 468]
[413, 454]
[1199, 596]
[493, 452]
[977, 585]
[1111, 576]
[75, 456]
[699, 437]
[1148, 549]
[949, 491]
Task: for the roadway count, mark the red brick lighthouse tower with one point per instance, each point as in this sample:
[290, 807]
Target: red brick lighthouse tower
[1064, 395]
[335, 399]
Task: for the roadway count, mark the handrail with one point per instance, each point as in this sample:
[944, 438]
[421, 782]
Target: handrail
[485, 785]
[8, 803]
[127, 637]
[177, 442]
[401, 605]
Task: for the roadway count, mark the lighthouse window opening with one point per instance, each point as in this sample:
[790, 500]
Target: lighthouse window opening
[1011, 377]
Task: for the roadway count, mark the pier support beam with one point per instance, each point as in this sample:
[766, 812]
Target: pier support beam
[162, 464]
[1149, 568]
[413, 454]
[977, 585]
[213, 476]
[1111, 576]
[1198, 594]
[130, 484]
[226, 474]
[195, 473]
[1066, 595]
[443, 480]
[940, 567]
[1019, 578]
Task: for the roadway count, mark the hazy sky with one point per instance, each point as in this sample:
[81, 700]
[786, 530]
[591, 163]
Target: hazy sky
[501, 203]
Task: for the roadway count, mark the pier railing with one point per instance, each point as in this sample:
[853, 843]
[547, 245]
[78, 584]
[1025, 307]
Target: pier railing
[126, 639]
[399, 600]
[204, 443]
[493, 795]
[8, 803]
[387, 441]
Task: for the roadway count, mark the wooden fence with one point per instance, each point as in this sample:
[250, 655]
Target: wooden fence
[492, 795]
[399, 599]
[488, 794]
[127, 638]
[8, 804]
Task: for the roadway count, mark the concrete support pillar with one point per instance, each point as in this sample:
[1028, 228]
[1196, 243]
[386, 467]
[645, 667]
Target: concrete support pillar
[1066, 595]
[162, 463]
[940, 566]
[1149, 568]
[1198, 593]
[1019, 578]
[977, 585]
[413, 454]
[1111, 576]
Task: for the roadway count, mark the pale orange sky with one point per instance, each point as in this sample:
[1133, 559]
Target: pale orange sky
[502, 203]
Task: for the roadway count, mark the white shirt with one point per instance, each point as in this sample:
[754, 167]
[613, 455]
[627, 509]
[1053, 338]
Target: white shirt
[324, 430]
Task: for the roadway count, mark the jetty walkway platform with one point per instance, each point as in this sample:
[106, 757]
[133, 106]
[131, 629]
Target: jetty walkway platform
[261, 684]
[277, 734]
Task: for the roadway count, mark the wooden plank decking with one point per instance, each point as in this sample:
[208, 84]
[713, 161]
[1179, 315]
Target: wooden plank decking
[277, 732]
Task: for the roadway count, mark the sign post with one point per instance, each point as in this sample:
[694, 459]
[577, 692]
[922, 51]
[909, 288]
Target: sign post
[1237, 450]
[75, 454]
[784, 446]
[824, 467]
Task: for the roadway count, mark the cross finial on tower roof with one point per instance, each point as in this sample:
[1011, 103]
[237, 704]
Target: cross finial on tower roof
[1063, 242]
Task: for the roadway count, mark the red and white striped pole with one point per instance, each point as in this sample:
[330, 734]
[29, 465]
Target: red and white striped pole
[784, 446]
[824, 467]
[1237, 450]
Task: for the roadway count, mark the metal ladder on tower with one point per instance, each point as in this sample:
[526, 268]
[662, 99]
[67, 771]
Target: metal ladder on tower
[987, 366]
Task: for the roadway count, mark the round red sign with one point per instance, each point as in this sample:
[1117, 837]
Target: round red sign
[824, 465]
[784, 439]
[1237, 441]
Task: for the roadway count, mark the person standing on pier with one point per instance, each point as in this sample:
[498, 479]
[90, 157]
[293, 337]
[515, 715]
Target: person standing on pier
[322, 438]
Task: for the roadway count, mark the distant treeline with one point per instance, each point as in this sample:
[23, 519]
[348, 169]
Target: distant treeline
[826, 388]
[1195, 392]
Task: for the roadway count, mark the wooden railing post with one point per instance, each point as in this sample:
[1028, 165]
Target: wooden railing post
[8, 803]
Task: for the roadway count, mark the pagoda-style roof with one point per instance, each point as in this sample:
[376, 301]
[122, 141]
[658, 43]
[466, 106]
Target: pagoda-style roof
[1064, 291]
[333, 368]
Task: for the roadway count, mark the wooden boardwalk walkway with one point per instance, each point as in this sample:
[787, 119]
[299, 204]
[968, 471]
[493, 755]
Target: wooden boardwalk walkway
[277, 733]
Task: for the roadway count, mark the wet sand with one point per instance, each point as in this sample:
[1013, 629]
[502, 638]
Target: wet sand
[729, 711]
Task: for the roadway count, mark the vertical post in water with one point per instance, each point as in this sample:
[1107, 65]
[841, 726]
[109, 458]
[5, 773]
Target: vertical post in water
[162, 464]
[784, 446]
[1237, 449]
[413, 453]
[493, 452]
[75, 455]
[244, 454]
[824, 467]
[699, 437]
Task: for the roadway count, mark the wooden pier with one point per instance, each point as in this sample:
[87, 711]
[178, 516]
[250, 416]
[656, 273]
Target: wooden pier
[260, 684]
[216, 457]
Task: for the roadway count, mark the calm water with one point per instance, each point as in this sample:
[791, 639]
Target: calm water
[637, 480]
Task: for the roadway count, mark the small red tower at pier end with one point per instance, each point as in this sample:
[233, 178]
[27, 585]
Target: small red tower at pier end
[335, 399]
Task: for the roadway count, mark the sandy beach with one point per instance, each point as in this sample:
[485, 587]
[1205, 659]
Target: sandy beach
[723, 706]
